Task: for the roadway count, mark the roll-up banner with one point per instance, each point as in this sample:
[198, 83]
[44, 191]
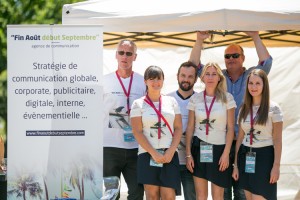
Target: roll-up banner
[54, 112]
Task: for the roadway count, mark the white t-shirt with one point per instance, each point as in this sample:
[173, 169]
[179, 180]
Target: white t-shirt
[184, 116]
[263, 134]
[169, 108]
[116, 117]
[217, 119]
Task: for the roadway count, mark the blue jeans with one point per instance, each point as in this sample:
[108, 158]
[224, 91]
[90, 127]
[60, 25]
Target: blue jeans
[187, 183]
[238, 193]
[117, 161]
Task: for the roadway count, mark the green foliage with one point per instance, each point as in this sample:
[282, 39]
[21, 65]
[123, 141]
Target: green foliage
[23, 12]
[3, 104]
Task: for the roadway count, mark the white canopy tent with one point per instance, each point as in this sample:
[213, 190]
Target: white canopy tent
[121, 17]
[166, 16]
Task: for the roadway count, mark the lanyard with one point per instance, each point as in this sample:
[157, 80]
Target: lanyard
[251, 123]
[124, 90]
[159, 115]
[208, 110]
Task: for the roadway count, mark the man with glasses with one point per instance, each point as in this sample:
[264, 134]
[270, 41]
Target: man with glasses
[121, 88]
[236, 76]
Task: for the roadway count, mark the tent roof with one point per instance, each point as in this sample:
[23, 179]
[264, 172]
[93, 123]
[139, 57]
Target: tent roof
[161, 23]
[219, 38]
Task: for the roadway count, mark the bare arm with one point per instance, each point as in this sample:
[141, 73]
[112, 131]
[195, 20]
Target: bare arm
[224, 160]
[176, 138]
[195, 56]
[189, 134]
[239, 140]
[137, 129]
[277, 141]
[261, 49]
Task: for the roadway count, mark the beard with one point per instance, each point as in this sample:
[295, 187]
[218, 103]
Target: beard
[186, 88]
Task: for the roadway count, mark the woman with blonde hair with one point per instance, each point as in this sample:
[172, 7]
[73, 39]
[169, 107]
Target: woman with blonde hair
[210, 131]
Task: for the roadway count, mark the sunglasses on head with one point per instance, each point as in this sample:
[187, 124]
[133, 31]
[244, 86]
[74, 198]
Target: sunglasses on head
[234, 55]
[121, 53]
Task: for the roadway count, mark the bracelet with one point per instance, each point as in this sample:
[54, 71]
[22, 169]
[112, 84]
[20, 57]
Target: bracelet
[234, 166]
[189, 156]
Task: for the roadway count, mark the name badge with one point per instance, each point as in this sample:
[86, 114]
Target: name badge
[206, 152]
[152, 161]
[128, 135]
[250, 162]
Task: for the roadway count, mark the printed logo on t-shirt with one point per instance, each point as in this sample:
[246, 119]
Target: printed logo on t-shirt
[154, 129]
[206, 121]
[255, 134]
[118, 118]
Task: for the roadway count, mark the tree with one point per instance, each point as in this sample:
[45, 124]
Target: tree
[26, 184]
[23, 12]
[79, 173]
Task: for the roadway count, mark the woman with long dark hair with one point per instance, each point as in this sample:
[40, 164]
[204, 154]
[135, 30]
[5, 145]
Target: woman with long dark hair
[259, 142]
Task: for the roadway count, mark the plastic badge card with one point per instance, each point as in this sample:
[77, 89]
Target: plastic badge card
[128, 135]
[250, 162]
[206, 152]
[152, 161]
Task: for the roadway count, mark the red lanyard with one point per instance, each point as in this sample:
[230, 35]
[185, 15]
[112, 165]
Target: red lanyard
[124, 90]
[251, 123]
[159, 115]
[208, 110]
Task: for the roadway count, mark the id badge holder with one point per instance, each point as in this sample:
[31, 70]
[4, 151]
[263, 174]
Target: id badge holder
[250, 162]
[128, 135]
[206, 152]
[152, 161]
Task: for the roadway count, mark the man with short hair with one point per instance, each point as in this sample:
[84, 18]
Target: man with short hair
[186, 77]
[120, 150]
[236, 77]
